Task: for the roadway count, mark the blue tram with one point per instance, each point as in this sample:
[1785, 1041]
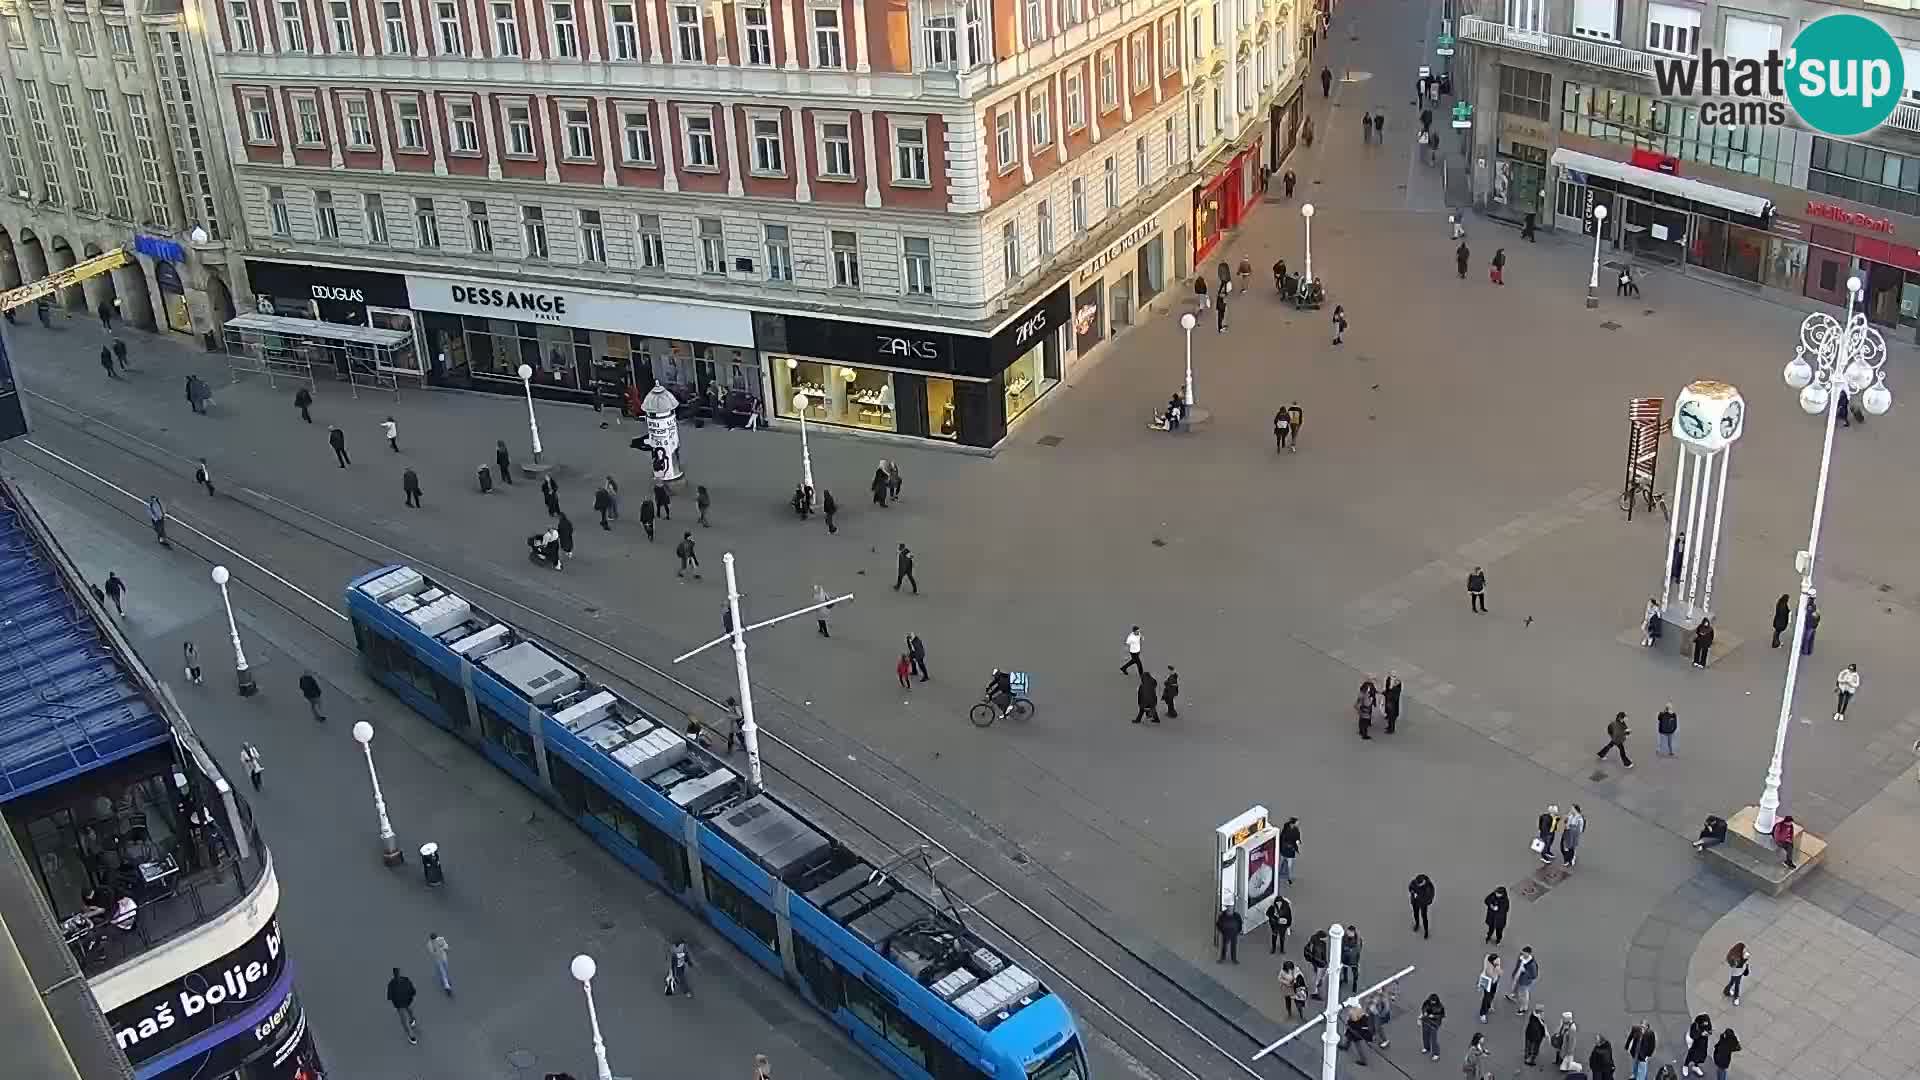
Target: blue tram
[910, 984]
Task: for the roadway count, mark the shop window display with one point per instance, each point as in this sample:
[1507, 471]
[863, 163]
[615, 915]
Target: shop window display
[1026, 379]
[836, 393]
[1786, 264]
[940, 419]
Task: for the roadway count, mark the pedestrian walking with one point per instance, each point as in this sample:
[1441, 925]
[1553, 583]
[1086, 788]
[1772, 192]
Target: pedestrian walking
[1229, 925]
[1497, 268]
[1420, 896]
[1315, 954]
[116, 590]
[400, 995]
[1813, 626]
[1461, 256]
[105, 311]
[199, 396]
[1847, 685]
[1339, 324]
[762, 1068]
[1366, 126]
[310, 690]
[1326, 82]
[603, 505]
[1220, 310]
[1526, 971]
[1570, 835]
[1702, 642]
[1279, 921]
[895, 481]
[437, 949]
[1489, 983]
[612, 487]
[1289, 843]
[1547, 828]
[1727, 1045]
[1784, 833]
[410, 486]
[689, 558]
[338, 440]
[1533, 1037]
[1293, 990]
[1282, 423]
[1170, 692]
[903, 570]
[1600, 1060]
[1426, 115]
[917, 652]
[1379, 126]
[1651, 624]
[390, 430]
[1390, 700]
[1617, 732]
[820, 614]
[1527, 227]
[662, 500]
[1699, 1038]
[1627, 285]
[904, 669]
[703, 502]
[1665, 726]
[1638, 1046]
[1380, 1008]
[203, 475]
[1432, 1014]
[829, 508]
[1679, 564]
[303, 400]
[646, 518]
[550, 495]
[1739, 963]
[882, 484]
[1476, 1056]
[157, 517]
[120, 353]
[1350, 957]
[250, 758]
[1498, 904]
[1287, 180]
[1477, 589]
[1782, 617]
[1563, 1040]
[106, 361]
[503, 459]
[190, 662]
[1363, 706]
[1357, 1032]
[679, 969]
[1145, 697]
[564, 526]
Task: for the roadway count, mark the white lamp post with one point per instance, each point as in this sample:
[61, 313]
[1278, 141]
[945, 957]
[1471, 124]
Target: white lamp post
[800, 403]
[242, 677]
[1306, 212]
[1186, 323]
[533, 422]
[1831, 356]
[584, 969]
[389, 847]
[1593, 279]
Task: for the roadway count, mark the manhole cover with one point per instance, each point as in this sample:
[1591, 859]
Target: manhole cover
[1550, 875]
[1609, 325]
[1049, 440]
[1530, 890]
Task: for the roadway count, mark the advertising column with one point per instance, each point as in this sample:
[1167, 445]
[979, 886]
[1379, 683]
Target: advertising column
[1247, 855]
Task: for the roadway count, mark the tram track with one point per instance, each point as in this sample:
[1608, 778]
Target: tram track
[1147, 1018]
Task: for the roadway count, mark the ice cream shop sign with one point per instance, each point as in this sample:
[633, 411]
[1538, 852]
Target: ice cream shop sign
[1844, 216]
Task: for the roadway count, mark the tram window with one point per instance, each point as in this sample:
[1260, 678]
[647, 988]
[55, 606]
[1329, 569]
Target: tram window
[361, 635]
[658, 847]
[948, 1065]
[452, 699]
[822, 974]
[744, 910]
[872, 1006]
[496, 730]
[568, 784]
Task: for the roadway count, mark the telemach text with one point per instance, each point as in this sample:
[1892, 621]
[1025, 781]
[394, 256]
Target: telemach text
[1733, 92]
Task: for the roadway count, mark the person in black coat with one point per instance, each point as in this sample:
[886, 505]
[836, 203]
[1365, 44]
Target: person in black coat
[550, 494]
[1461, 256]
[829, 508]
[1229, 925]
[881, 485]
[903, 571]
[1279, 921]
[1420, 895]
[662, 500]
[1782, 617]
[565, 528]
[1350, 956]
[1698, 1034]
[1600, 1061]
[1390, 700]
[646, 518]
[1813, 625]
[1315, 954]
[503, 460]
[303, 400]
[1536, 1033]
[410, 486]
[338, 440]
[603, 504]
[1432, 1015]
[1640, 1045]
[1702, 642]
[1727, 1045]
[1497, 903]
[1169, 691]
[1147, 699]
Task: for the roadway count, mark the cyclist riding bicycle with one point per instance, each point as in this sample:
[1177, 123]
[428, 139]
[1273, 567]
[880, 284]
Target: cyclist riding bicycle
[1000, 691]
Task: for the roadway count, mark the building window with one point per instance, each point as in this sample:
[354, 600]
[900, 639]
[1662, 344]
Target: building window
[636, 136]
[506, 30]
[1525, 93]
[577, 122]
[1142, 164]
[779, 253]
[1043, 228]
[533, 231]
[836, 149]
[1199, 47]
[120, 41]
[566, 35]
[446, 17]
[689, 38]
[82, 37]
[1140, 53]
[942, 38]
[16, 31]
[1036, 21]
[1599, 19]
[1219, 24]
[1109, 84]
[325, 216]
[340, 21]
[1078, 193]
[466, 127]
[1039, 108]
[47, 32]
[110, 149]
[593, 241]
[239, 22]
[1071, 12]
[976, 33]
[413, 134]
[1169, 47]
[846, 260]
[396, 24]
[520, 131]
[653, 253]
[1110, 176]
[1861, 173]
[909, 154]
[293, 28]
[479, 228]
[713, 247]
[769, 153]
[306, 113]
[1672, 29]
[827, 50]
[43, 141]
[376, 212]
[700, 154]
[1004, 145]
[916, 255]
[279, 223]
[76, 148]
[1010, 250]
[359, 123]
[1076, 101]
[426, 223]
[759, 36]
[259, 118]
[626, 32]
[146, 151]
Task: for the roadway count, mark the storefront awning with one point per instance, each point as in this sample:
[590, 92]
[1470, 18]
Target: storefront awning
[1678, 186]
[373, 337]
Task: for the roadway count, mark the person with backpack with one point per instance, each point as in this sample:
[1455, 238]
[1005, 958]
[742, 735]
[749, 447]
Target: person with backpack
[1432, 1015]
[1282, 424]
[1563, 1041]
[689, 558]
[1229, 925]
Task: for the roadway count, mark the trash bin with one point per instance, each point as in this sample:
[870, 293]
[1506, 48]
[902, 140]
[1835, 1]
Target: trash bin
[486, 479]
[430, 865]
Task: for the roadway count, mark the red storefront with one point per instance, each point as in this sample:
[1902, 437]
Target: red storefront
[1226, 198]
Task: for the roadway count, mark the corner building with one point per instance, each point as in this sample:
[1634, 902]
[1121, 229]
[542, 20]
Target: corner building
[890, 211]
[1568, 116]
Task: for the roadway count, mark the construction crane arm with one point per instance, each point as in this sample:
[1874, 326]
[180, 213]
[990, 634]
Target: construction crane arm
[65, 279]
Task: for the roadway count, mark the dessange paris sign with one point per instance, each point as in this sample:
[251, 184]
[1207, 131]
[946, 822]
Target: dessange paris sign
[517, 302]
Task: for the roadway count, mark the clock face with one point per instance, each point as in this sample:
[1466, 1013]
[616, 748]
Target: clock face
[1691, 424]
[1730, 423]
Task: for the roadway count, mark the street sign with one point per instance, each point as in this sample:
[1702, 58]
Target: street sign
[1462, 124]
[1443, 45]
[1443, 51]
[1462, 111]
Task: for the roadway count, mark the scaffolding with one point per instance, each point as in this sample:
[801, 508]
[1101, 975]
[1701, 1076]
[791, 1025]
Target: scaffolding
[280, 347]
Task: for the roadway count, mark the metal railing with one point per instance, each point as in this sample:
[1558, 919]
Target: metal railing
[200, 896]
[1560, 47]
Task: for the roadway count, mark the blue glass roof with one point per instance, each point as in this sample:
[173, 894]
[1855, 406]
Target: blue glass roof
[67, 706]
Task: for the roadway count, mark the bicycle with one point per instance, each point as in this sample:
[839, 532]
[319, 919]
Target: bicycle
[1653, 500]
[984, 712]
